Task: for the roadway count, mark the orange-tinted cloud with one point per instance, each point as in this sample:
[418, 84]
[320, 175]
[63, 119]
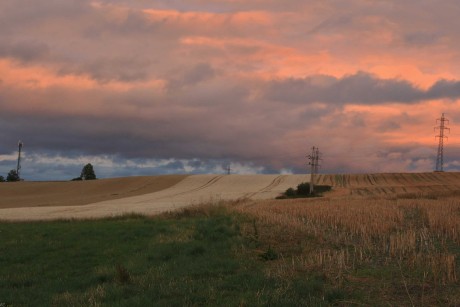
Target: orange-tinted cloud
[255, 82]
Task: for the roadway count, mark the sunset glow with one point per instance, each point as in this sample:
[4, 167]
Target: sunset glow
[149, 87]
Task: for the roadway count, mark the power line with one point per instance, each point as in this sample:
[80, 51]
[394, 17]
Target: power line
[440, 156]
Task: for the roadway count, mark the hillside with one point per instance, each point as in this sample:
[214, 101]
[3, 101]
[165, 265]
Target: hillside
[156, 194]
[72, 193]
[394, 184]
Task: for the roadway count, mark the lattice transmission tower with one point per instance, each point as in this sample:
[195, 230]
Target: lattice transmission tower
[314, 165]
[18, 167]
[440, 156]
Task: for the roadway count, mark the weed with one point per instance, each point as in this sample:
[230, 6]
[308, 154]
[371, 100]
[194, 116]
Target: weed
[122, 275]
[269, 254]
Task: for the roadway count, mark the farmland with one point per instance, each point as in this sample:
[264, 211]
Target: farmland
[400, 250]
[145, 195]
[376, 239]
[395, 184]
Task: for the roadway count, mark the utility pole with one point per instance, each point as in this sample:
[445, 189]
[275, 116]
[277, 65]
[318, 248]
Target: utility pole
[440, 157]
[314, 164]
[18, 167]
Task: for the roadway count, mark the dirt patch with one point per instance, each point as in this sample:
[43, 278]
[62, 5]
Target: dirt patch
[74, 193]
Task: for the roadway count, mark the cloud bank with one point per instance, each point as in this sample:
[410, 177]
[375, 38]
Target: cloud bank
[191, 86]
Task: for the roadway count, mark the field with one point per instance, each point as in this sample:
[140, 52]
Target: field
[375, 240]
[153, 195]
[73, 193]
[402, 251]
[395, 184]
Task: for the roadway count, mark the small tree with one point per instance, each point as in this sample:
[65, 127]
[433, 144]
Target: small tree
[87, 173]
[2, 179]
[12, 176]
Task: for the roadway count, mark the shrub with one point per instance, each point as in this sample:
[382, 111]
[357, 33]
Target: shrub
[2, 179]
[303, 190]
[290, 192]
[12, 176]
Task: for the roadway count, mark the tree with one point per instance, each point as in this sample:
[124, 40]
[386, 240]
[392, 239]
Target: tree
[2, 179]
[12, 176]
[87, 173]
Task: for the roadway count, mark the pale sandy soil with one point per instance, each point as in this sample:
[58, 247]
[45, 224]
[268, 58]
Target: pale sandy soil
[191, 190]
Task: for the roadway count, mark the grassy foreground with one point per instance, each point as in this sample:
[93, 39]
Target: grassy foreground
[317, 252]
[196, 257]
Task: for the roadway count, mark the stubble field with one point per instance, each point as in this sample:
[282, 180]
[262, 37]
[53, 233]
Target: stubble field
[375, 240]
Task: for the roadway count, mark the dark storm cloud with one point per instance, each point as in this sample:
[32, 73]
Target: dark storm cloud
[444, 89]
[360, 88]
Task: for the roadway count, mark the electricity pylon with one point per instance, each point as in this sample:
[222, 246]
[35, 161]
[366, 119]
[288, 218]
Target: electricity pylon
[18, 167]
[314, 165]
[440, 157]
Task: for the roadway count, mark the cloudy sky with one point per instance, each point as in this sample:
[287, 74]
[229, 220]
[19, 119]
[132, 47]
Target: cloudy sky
[190, 86]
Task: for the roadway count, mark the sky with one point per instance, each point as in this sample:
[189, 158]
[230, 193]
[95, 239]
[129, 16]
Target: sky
[152, 87]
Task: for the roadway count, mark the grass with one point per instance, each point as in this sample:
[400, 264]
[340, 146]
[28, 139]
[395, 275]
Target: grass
[316, 252]
[195, 257]
[371, 251]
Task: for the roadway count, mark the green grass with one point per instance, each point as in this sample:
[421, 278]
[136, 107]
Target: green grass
[195, 258]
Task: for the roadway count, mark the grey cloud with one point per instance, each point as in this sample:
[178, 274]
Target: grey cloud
[360, 88]
[421, 39]
[444, 89]
[389, 125]
[221, 125]
[218, 119]
[25, 50]
[198, 73]
[332, 24]
[111, 68]
[23, 12]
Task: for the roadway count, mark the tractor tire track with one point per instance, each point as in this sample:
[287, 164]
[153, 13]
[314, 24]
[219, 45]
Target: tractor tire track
[204, 186]
[275, 182]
